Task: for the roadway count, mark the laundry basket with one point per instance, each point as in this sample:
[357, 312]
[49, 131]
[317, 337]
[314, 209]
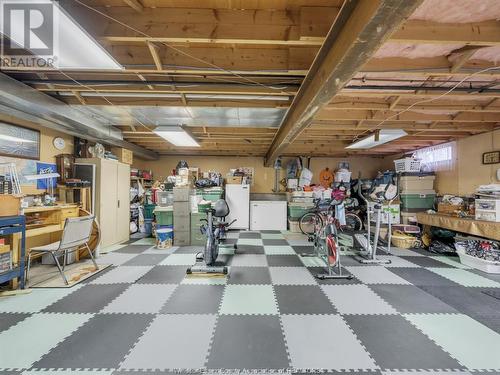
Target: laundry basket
[404, 241]
[407, 165]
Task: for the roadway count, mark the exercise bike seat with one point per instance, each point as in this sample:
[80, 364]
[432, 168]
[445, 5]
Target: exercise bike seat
[220, 208]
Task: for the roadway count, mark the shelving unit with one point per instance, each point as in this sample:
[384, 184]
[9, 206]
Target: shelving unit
[10, 225]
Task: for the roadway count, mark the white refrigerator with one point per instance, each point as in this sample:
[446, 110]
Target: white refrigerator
[238, 200]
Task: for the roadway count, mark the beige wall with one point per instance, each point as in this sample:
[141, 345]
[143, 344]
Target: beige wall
[469, 172]
[264, 177]
[47, 150]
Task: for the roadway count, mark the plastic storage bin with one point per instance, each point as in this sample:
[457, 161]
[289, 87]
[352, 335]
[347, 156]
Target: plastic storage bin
[164, 215]
[212, 195]
[488, 209]
[148, 226]
[296, 210]
[407, 165]
[409, 184]
[423, 199]
[164, 198]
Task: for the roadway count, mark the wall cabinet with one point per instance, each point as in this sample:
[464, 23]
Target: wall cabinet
[112, 199]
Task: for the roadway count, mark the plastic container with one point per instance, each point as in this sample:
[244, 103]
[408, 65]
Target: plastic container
[148, 226]
[410, 184]
[484, 265]
[423, 199]
[149, 211]
[296, 210]
[164, 238]
[407, 165]
[213, 195]
[408, 218]
[164, 198]
[203, 207]
[164, 215]
[293, 226]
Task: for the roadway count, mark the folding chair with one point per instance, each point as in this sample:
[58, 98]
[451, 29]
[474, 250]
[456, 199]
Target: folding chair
[76, 233]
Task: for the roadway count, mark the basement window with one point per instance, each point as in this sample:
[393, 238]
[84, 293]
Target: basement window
[437, 158]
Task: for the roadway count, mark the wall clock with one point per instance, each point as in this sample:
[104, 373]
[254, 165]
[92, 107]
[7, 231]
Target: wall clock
[59, 143]
[492, 157]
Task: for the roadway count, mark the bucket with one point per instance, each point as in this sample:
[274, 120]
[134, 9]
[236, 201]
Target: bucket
[148, 226]
[164, 238]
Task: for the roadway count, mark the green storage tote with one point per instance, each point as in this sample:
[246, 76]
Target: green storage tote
[164, 215]
[296, 210]
[423, 199]
[212, 195]
[197, 238]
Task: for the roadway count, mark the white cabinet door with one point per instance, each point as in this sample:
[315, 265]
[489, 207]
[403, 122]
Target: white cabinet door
[238, 200]
[268, 215]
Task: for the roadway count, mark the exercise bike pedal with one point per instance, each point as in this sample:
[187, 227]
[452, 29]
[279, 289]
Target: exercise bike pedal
[235, 247]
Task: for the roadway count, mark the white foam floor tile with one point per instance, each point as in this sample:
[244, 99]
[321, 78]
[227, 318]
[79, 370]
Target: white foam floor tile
[116, 259]
[272, 236]
[398, 262]
[307, 350]
[356, 299]
[26, 342]
[471, 343]
[376, 275]
[299, 242]
[313, 261]
[249, 260]
[465, 278]
[248, 299]
[173, 341]
[35, 301]
[111, 248]
[279, 250]
[179, 260]
[452, 261]
[291, 276]
[141, 298]
[122, 274]
[67, 372]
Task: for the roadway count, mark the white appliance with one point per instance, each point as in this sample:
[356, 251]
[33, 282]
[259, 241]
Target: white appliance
[268, 215]
[238, 200]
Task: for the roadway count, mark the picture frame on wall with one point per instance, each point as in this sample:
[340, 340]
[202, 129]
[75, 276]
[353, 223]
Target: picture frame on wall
[19, 142]
[492, 157]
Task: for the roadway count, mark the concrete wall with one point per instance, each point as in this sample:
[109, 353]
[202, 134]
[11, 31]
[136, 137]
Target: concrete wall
[264, 177]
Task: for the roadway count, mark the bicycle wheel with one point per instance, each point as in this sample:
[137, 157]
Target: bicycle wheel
[353, 221]
[309, 222]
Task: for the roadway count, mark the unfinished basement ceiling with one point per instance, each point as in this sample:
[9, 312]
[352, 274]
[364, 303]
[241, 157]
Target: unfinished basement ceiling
[231, 69]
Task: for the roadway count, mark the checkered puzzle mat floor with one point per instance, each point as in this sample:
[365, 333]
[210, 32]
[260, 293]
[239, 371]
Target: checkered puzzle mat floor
[143, 315]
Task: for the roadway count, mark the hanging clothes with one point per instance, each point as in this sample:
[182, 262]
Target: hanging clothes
[326, 178]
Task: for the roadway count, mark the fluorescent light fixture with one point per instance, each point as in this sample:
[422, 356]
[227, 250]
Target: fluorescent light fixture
[177, 136]
[10, 138]
[73, 47]
[385, 135]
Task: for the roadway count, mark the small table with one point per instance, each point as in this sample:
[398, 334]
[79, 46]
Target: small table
[480, 228]
[10, 225]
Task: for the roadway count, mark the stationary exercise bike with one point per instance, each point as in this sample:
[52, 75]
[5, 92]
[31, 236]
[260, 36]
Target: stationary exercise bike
[378, 195]
[215, 230]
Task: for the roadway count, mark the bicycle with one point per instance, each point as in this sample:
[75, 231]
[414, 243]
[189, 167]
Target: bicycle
[324, 209]
[326, 246]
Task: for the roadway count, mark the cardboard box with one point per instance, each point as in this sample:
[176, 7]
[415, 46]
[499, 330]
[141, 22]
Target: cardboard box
[234, 180]
[124, 156]
[10, 205]
[444, 208]
[4, 249]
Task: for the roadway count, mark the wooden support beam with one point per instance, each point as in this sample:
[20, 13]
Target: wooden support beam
[361, 27]
[463, 55]
[135, 4]
[155, 53]
[141, 77]
[80, 98]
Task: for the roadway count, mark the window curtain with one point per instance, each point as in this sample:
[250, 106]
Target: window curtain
[437, 158]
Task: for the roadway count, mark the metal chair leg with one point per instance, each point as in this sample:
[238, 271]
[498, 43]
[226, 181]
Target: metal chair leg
[92, 256]
[28, 266]
[65, 259]
[59, 267]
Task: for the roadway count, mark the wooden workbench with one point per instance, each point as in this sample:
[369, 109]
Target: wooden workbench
[480, 228]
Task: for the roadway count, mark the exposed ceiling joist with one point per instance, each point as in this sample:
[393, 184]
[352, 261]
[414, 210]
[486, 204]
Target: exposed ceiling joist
[135, 4]
[154, 49]
[359, 30]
